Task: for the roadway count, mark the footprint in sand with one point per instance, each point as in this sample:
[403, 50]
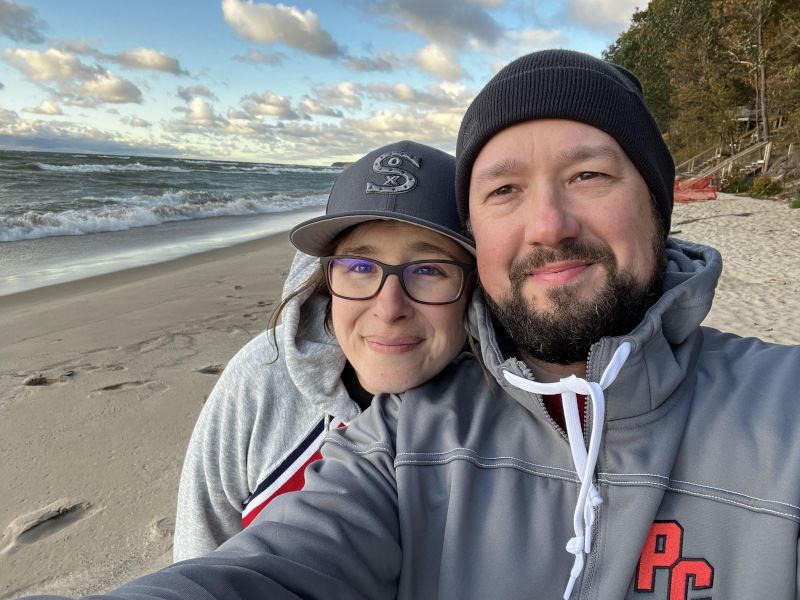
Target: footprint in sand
[35, 526]
[152, 386]
[41, 379]
[163, 528]
[175, 340]
[107, 367]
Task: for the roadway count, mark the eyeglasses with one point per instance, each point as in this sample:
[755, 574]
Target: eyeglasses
[424, 281]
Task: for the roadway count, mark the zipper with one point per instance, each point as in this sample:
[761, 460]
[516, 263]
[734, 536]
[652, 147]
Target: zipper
[587, 578]
[591, 558]
[587, 411]
[526, 372]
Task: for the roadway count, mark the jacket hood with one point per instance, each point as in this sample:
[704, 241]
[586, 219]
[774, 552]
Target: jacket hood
[313, 357]
[662, 345]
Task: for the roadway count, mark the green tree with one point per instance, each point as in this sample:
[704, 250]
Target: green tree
[782, 36]
[742, 24]
[641, 50]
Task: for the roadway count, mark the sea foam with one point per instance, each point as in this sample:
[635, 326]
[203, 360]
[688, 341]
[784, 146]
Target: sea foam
[119, 214]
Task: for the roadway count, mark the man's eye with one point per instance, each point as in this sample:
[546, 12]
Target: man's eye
[586, 175]
[502, 190]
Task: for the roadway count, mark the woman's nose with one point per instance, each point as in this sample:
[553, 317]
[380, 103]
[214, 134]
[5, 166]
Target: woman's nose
[392, 303]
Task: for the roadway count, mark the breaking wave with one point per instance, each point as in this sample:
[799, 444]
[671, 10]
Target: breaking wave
[109, 168]
[118, 214]
[191, 166]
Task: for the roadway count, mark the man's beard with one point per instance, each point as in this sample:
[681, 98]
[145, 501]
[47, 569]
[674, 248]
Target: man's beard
[565, 333]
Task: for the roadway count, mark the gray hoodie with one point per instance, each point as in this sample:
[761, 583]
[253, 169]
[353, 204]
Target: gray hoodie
[465, 488]
[263, 421]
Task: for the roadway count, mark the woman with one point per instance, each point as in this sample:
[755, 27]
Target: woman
[389, 274]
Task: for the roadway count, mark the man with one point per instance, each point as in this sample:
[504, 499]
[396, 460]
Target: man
[663, 455]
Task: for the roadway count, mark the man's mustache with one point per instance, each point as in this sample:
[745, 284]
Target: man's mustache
[582, 250]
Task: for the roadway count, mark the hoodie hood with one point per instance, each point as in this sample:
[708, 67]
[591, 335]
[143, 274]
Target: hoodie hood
[313, 357]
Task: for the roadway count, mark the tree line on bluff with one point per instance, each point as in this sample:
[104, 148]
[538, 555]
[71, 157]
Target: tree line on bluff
[713, 68]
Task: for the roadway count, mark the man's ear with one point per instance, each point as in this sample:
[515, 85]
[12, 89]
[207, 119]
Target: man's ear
[468, 228]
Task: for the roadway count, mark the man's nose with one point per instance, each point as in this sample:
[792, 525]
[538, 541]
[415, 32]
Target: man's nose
[391, 303]
[549, 218]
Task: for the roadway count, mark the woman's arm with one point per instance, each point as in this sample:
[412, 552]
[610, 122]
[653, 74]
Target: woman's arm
[214, 477]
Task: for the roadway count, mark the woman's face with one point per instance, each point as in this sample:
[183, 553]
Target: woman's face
[392, 342]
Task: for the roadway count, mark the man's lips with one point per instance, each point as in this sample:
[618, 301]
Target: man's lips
[392, 344]
[560, 273]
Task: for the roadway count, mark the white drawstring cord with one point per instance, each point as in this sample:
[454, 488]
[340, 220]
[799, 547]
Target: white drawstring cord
[585, 462]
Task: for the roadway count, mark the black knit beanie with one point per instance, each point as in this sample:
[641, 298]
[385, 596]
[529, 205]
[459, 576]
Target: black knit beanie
[564, 84]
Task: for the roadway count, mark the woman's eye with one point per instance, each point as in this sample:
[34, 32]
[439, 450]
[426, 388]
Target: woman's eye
[429, 271]
[363, 267]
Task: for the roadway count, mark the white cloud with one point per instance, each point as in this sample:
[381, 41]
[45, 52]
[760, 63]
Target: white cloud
[440, 61]
[259, 57]
[311, 106]
[76, 83]
[198, 117]
[51, 65]
[528, 40]
[434, 127]
[609, 15]
[136, 58]
[344, 94]
[270, 23]
[187, 93]
[47, 107]
[19, 23]
[77, 46]
[268, 104]
[107, 87]
[241, 123]
[443, 95]
[487, 3]
[65, 136]
[385, 61]
[397, 92]
[147, 58]
[200, 111]
[137, 122]
[8, 117]
[448, 22]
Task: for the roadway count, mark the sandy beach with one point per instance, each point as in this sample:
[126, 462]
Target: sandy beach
[120, 359]
[101, 381]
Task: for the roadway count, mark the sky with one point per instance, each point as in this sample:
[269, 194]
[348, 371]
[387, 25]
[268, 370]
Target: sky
[306, 82]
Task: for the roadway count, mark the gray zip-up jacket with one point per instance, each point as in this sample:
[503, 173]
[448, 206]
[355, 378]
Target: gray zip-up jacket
[465, 488]
[263, 421]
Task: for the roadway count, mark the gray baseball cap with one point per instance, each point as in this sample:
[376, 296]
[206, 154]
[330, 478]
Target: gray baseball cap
[404, 181]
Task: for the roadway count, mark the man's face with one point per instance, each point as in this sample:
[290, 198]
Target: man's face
[567, 240]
